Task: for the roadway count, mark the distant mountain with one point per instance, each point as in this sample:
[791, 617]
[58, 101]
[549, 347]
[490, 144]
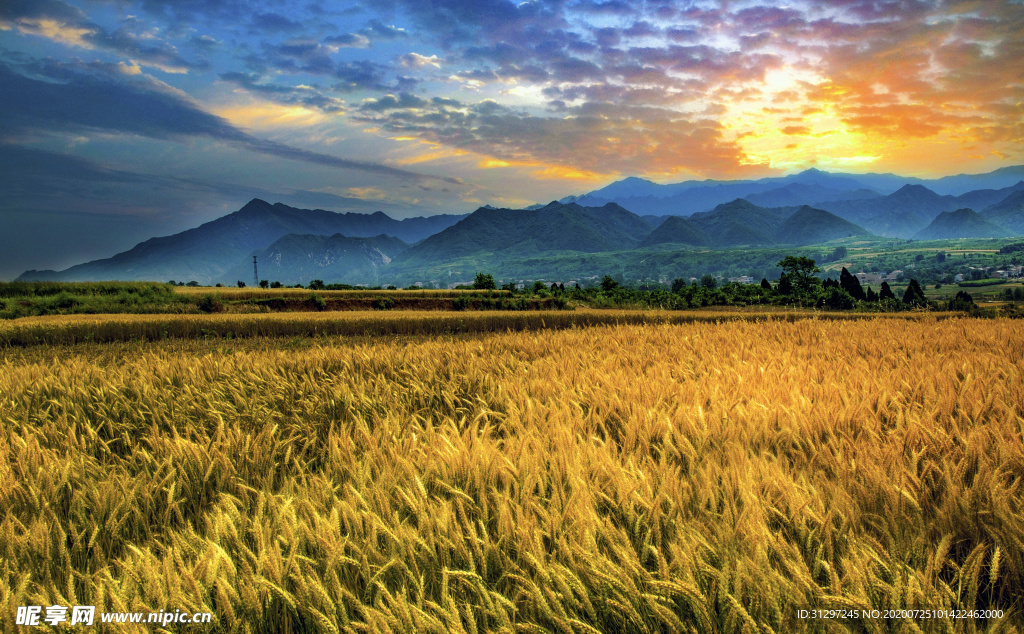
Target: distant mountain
[982, 198]
[645, 197]
[207, 252]
[297, 259]
[962, 223]
[1008, 213]
[895, 223]
[554, 227]
[874, 213]
[795, 194]
[743, 223]
[678, 230]
[740, 222]
[812, 226]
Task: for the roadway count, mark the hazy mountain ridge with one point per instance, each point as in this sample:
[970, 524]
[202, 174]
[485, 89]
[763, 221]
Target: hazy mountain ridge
[962, 223]
[206, 253]
[297, 259]
[556, 226]
[741, 222]
[1008, 213]
[811, 187]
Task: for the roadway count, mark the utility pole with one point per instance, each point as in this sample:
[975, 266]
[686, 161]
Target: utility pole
[255, 273]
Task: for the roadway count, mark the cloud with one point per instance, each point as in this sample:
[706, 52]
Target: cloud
[348, 40]
[302, 95]
[390, 102]
[415, 60]
[58, 21]
[93, 98]
[274, 22]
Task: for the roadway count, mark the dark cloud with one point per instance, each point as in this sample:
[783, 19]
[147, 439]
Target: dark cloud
[381, 31]
[308, 96]
[609, 7]
[75, 28]
[92, 101]
[272, 22]
[348, 40]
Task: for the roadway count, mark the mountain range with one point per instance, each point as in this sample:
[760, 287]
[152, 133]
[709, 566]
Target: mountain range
[296, 245]
[830, 191]
[214, 251]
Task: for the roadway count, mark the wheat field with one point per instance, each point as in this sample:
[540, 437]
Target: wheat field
[706, 477]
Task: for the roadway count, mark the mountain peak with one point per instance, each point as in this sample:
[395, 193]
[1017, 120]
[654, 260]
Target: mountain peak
[255, 203]
[916, 190]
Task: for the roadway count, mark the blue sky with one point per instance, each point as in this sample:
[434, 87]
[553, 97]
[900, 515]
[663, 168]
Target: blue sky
[122, 120]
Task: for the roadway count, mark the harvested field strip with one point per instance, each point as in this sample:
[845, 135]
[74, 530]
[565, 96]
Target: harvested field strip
[70, 329]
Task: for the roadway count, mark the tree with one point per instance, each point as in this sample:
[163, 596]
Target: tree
[800, 272]
[962, 301]
[193, 284]
[608, 284]
[837, 254]
[316, 285]
[851, 285]
[785, 286]
[765, 284]
[264, 283]
[914, 294]
[709, 282]
[886, 292]
[275, 284]
[484, 281]
[241, 284]
[836, 299]
[678, 284]
[539, 286]
[872, 296]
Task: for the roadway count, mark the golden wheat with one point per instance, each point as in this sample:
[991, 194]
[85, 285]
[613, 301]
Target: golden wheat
[652, 477]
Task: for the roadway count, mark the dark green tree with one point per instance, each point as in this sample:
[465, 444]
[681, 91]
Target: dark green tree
[851, 285]
[914, 294]
[962, 301]
[708, 281]
[800, 271]
[886, 292]
[785, 286]
[872, 296]
[264, 283]
[678, 284]
[608, 284]
[765, 284]
[241, 284]
[836, 298]
[484, 281]
[316, 285]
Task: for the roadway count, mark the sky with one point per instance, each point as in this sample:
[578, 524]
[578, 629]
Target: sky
[121, 120]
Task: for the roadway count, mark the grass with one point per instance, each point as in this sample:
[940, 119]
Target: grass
[703, 476]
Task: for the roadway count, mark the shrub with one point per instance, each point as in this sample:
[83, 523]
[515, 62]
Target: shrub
[210, 303]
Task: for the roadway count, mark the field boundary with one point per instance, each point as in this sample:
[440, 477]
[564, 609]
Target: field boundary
[73, 329]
